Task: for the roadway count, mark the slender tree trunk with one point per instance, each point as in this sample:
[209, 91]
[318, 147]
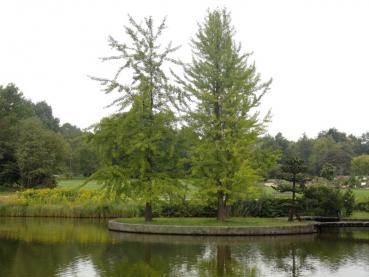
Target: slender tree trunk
[222, 209]
[148, 211]
[148, 207]
[293, 211]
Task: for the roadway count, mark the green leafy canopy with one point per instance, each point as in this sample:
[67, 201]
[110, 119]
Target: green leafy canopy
[226, 89]
[137, 144]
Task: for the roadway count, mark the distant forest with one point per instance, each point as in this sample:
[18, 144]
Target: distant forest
[330, 148]
[35, 147]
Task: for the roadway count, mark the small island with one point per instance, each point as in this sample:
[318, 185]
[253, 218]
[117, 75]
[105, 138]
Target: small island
[235, 226]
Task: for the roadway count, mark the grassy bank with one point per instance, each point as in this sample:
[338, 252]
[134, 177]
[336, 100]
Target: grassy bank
[360, 215]
[71, 210]
[62, 202]
[234, 221]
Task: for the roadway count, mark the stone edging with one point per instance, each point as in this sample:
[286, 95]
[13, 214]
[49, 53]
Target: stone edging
[211, 230]
[342, 224]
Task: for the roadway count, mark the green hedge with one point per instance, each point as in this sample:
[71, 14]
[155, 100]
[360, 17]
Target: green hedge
[186, 209]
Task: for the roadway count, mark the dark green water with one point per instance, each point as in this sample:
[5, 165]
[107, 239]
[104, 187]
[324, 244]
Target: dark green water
[63, 247]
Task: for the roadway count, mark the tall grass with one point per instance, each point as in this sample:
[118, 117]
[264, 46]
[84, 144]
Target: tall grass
[93, 210]
[60, 202]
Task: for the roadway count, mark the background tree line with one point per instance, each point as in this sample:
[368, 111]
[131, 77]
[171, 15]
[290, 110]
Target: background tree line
[332, 153]
[33, 145]
[26, 127]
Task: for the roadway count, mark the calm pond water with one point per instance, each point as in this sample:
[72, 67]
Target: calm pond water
[65, 247]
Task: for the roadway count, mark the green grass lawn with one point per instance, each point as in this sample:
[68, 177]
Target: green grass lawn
[61, 183]
[75, 183]
[359, 215]
[361, 195]
[201, 221]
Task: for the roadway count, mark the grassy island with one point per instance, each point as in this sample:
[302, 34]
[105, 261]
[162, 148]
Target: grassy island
[233, 226]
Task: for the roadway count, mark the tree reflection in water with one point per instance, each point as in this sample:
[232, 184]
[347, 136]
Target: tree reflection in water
[218, 261]
[50, 247]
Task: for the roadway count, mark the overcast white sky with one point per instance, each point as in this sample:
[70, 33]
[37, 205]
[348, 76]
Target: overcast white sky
[316, 51]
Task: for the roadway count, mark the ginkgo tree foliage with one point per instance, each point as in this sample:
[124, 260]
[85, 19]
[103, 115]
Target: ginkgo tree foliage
[226, 88]
[139, 144]
[140, 141]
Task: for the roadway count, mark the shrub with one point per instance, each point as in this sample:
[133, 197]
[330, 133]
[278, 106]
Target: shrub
[362, 206]
[322, 201]
[185, 209]
[263, 207]
[348, 202]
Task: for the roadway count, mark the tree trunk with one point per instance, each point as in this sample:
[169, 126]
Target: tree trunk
[147, 253]
[290, 215]
[224, 260]
[148, 211]
[294, 262]
[292, 211]
[222, 209]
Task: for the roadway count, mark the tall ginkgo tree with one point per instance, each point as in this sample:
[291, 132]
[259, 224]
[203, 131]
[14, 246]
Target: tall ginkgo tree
[139, 163]
[226, 89]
